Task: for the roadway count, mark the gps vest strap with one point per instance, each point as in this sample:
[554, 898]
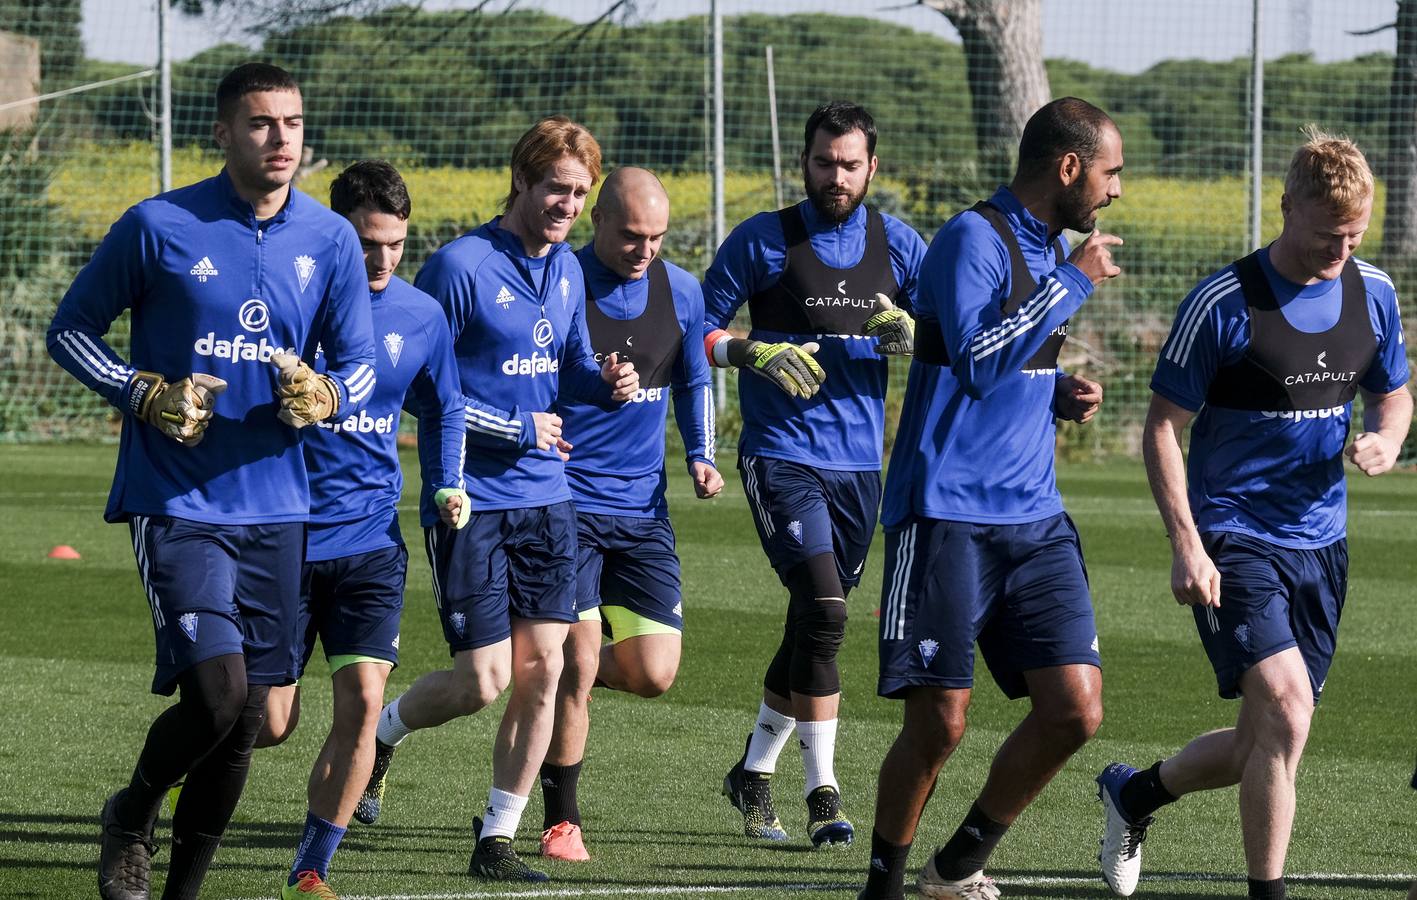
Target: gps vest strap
[930, 340]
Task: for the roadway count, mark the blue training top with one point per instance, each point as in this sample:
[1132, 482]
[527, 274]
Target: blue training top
[519, 337]
[214, 290]
[1275, 475]
[617, 461]
[841, 427]
[975, 441]
[355, 478]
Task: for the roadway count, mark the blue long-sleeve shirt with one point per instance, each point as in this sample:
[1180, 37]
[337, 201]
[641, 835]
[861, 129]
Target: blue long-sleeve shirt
[212, 289]
[1275, 475]
[617, 461]
[975, 441]
[842, 426]
[519, 337]
[355, 478]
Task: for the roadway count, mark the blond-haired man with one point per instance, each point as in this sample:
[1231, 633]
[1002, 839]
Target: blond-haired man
[514, 296]
[1266, 356]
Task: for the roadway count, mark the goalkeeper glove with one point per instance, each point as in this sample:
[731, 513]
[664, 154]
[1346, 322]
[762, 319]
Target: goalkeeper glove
[305, 396]
[462, 513]
[892, 328]
[181, 410]
[786, 365]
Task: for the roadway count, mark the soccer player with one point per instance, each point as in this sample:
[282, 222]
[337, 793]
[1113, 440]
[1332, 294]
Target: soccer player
[978, 545]
[651, 313]
[230, 281]
[355, 561]
[810, 455]
[1265, 356]
[514, 296]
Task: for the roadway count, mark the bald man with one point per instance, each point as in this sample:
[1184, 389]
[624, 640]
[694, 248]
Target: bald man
[651, 313]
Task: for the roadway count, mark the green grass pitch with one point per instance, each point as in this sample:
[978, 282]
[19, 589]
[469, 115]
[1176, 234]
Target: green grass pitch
[75, 660]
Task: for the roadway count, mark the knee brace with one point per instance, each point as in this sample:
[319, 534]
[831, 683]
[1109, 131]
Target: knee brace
[818, 613]
[778, 679]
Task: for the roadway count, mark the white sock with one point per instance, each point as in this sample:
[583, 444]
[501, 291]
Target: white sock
[391, 728]
[818, 742]
[770, 734]
[503, 814]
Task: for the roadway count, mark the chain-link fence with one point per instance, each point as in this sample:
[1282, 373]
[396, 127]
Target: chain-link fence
[444, 89]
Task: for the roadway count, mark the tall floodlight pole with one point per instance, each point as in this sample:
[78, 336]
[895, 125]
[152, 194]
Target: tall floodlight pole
[1256, 128]
[716, 15]
[164, 88]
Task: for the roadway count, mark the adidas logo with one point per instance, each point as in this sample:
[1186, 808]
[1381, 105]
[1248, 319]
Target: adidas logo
[504, 297]
[204, 268]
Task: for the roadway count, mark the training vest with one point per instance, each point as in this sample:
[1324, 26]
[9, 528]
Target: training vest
[812, 297]
[651, 340]
[1288, 369]
[930, 340]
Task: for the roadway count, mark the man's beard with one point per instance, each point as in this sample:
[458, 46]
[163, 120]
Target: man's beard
[833, 208]
[1076, 212]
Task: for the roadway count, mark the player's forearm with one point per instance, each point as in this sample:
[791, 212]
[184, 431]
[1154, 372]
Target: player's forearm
[1166, 473]
[89, 359]
[1389, 415]
[694, 416]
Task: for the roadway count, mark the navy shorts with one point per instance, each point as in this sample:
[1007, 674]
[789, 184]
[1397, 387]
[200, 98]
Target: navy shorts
[630, 562]
[1272, 598]
[503, 563]
[802, 511]
[352, 605]
[220, 589]
[1019, 590]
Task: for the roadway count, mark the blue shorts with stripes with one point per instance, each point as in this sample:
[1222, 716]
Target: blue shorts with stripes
[221, 589]
[802, 511]
[1019, 590]
[1272, 598]
[503, 563]
[352, 605]
[629, 561]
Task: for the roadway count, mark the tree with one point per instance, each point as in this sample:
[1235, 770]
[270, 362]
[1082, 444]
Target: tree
[1400, 166]
[55, 23]
[1003, 50]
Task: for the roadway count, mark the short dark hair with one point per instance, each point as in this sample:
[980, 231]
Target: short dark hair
[1067, 125]
[840, 118]
[372, 183]
[250, 78]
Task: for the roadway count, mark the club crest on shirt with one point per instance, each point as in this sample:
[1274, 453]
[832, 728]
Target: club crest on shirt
[928, 648]
[304, 268]
[459, 623]
[565, 290]
[393, 342]
[794, 528]
[188, 623]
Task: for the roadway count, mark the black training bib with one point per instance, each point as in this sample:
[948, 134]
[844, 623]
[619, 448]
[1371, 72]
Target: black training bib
[1287, 369]
[651, 340]
[812, 297]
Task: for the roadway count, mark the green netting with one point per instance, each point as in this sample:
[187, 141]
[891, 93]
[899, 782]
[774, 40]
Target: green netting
[443, 90]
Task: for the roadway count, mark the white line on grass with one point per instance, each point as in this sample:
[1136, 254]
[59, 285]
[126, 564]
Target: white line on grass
[808, 888]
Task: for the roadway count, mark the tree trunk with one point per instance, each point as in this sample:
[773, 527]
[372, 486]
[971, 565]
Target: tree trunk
[1400, 217]
[1003, 52]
